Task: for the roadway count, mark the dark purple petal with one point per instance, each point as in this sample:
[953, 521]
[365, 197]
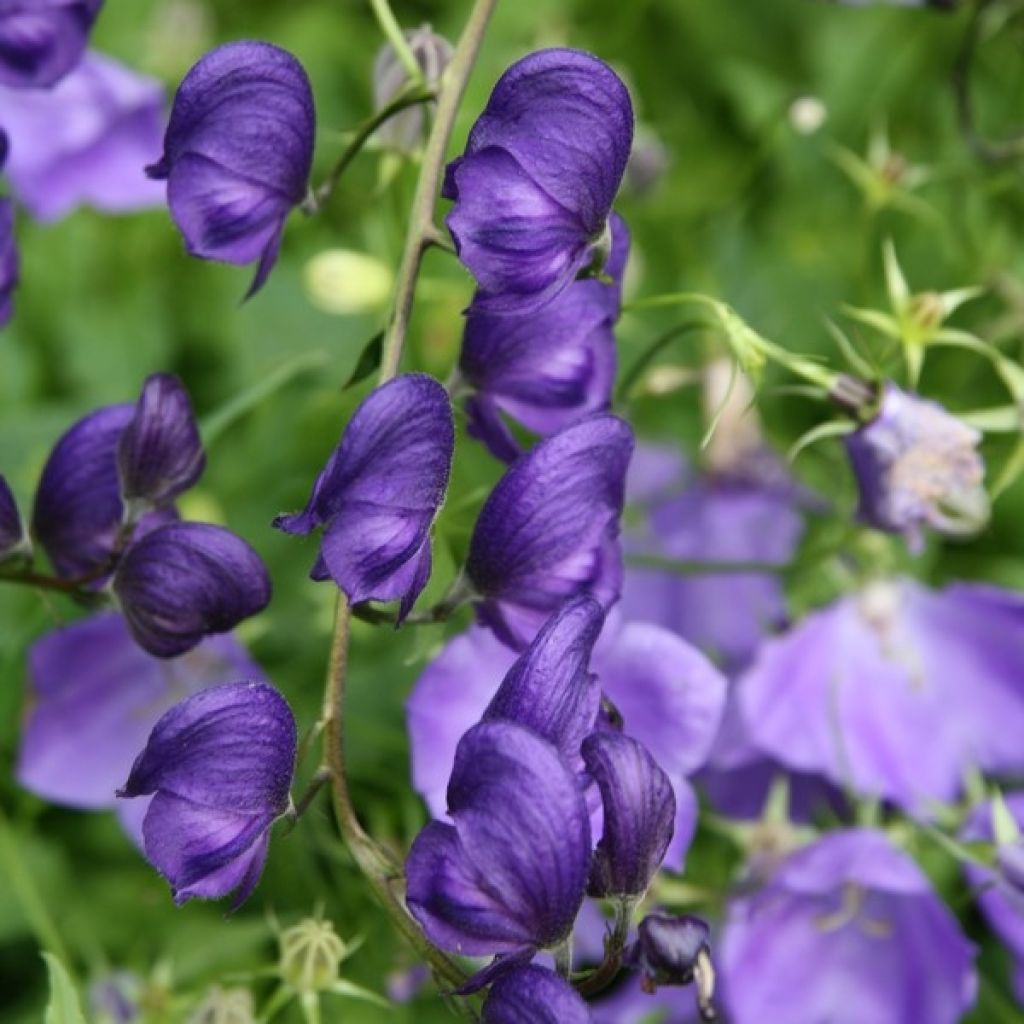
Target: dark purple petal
[86, 141]
[12, 532]
[511, 872]
[667, 948]
[639, 814]
[533, 995]
[160, 454]
[184, 581]
[548, 530]
[9, 263]
[238, 152]
[41, 40]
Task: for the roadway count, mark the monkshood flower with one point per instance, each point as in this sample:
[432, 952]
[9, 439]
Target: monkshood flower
[380, 491]
[86, 140]
[675, 951]
[850, 691]
[12, 531]
[533, 995]
[509, 875]
[549, 529]
[535, 185]
[220, 764]
[183, 581]
[238, 152]
[42, 40]
[9, 262]
[918, 466]
[547, 368]
[848, 930]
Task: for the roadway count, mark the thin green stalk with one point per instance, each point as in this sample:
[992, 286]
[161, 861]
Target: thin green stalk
[396, 37]
[632, 376]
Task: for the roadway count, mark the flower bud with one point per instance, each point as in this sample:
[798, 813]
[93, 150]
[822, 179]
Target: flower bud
[12, 533]
[42, 40]
[675, 951]
[311, 953]
[225, 1006]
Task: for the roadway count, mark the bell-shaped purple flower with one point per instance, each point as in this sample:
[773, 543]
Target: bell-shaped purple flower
[549, 529]
[509, 876]
[160, 454]
[85, 141]
[184, 581]
[220, 765]
[9, 262]
[533, 995]
[848, 930]
[918, 466]
[12, 532]
[639, 814]
[238, 152]
[536, 183]
[42, 40]
[380, 491]
[547, 368]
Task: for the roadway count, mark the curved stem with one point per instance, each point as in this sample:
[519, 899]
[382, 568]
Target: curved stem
[396, 37]
[631, 377]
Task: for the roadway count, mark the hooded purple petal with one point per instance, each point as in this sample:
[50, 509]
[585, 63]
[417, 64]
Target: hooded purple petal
[86, 141]
[160, 454]
[238, 152]
[849, 930]
[533, 995]
[9, 262]
[41, 40]
[12, 532]
[511, 872]
[184, 581]
[380, 491]
[549, 528]
[667, 948]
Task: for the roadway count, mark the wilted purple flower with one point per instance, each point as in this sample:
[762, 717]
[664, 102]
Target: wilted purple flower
[41, 40]
[917, 465]
[535, 185]
[238, 152]
[184, 581]
[549, 528]
[220, 765]
[85, 141]
[848, 930]
[160, 453]
[9, 263]
[547, 368]
[12, 532]
[533, 995]
[509, 876]
[380, 491]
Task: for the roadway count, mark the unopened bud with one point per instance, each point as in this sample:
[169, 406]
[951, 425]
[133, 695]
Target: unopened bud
[225, 1006]
[311, 953]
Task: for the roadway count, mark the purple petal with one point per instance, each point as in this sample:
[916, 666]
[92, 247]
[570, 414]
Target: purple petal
[9, 262]
[667, 948]
[12, 533]
[41, 40]
[484, 422]
[533, 995]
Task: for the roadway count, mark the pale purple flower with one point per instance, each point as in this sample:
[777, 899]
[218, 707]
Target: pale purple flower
[533, 995]
[42, 40]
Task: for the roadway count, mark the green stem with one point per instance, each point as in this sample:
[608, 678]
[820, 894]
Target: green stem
[396, 37]
[633, 374]
[615, 944]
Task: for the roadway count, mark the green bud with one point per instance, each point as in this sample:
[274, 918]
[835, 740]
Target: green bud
[311, 953]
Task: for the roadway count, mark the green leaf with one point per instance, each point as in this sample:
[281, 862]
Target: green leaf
[63, 1007]
[352, 991]
[369, 361]
[1005, 829]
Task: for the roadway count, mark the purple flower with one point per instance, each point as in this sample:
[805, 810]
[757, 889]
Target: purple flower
[549, 529]
[380, 491]
[42, 40]
[639, 815]
[183, 581]
[848, 930]
[850, 691]
[12, 533]
[238, 152]
[668, 948]
[916, 466]
[533, 995]
[9, 263]
[220, 765]
[509, 876]
[535, 185]
[85, 141]
[547, 368]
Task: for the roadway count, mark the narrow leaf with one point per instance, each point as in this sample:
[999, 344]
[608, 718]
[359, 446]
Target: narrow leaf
[63, 1007]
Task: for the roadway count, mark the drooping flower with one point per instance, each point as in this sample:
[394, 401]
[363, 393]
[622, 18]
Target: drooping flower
[86, 141]
[675, 951]
[238, 152]
[546, 368]
[549, 529]
[918, 466]
[12, 531]
[533, 995]
[380, 491]
[509, 875]
[183, 581]
[42, 40]
[848, 930]
[220, 765]
[535, 185]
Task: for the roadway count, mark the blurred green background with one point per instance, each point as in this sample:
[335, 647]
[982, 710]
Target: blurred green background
[753, 207]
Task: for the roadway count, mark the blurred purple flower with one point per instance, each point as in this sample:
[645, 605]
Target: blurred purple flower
[184, 581]
[42, 40]
[116, 998]
[549, 529]
[12, 531]
[220, 764]
[547, 368]
[10, 269]
[848, 930]
[380, 491]
[238, 152]
[533, 995]
[86, 141]
[535, 185]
